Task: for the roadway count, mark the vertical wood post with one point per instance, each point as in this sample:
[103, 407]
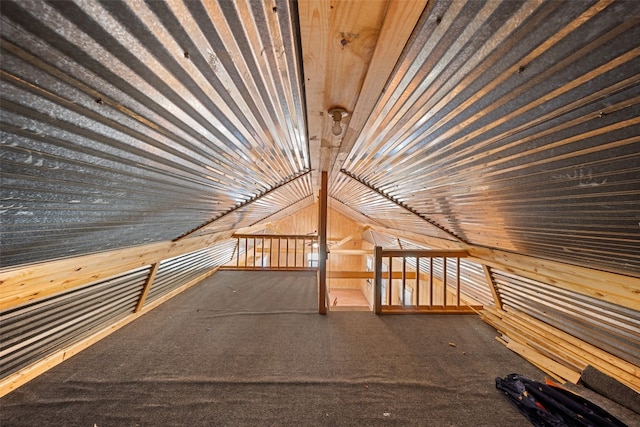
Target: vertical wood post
[322, 250]
[377, 279]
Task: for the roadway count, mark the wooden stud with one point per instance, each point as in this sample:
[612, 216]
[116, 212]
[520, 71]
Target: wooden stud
[147, 286]
[492, 287]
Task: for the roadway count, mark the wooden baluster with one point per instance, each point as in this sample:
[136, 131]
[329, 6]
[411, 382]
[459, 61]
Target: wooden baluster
[286, 262]
[417, 282]
[458, 282]
[238, 252]
[304, 260]
[404, 281]
[430, 282]
[253, 263]
[246, 251]
[444, 281]
[377, 279]
[390, 283]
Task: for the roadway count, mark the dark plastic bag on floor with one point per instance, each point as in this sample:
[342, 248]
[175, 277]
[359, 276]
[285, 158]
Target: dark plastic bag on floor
[547, 406]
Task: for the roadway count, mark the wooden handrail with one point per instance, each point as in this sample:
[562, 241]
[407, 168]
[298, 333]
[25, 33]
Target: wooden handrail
[312, 237]
[269, 248]
[417, 305]
[425, 253]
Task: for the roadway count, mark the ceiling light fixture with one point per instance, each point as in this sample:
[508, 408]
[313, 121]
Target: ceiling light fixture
[337, 114]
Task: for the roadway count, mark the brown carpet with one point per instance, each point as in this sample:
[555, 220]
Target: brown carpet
[248, 348]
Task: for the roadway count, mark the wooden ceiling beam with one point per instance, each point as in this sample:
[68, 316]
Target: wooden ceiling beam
[400, 19]
[349, 50]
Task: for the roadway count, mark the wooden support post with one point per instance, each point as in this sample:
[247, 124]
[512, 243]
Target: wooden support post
[147, 286]
[377, 279]
[492, 287]
[322, 249]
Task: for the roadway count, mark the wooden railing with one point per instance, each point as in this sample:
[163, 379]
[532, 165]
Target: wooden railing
[417, 281]
[275, 252]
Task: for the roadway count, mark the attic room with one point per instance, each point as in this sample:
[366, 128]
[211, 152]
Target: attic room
[317, 212]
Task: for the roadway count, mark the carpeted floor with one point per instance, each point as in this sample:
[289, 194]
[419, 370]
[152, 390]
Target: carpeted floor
[248, 348]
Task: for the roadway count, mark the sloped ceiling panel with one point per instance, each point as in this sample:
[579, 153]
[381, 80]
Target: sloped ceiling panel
[375, 206]
[516, 125]
[130, 122]
[297, 192]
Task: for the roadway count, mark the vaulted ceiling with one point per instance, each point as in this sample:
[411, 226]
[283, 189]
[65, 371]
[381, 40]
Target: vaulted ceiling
[510, 125]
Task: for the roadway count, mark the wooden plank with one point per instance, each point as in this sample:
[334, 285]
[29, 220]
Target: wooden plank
[353, 236]
[426, 253]
[396, 309]
[548, 364]
[21, 284]
[147, 286]
[368, 274]
[359, 252]
[276, 236]
[492, 287]
[611, 287]
[400, 19]
[429, 241]
[560, 345]
[266, 268]
[626, 372]
[28, 373]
